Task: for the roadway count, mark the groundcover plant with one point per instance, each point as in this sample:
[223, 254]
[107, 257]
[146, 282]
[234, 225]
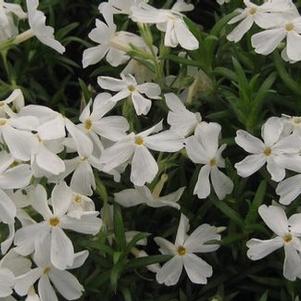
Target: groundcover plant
[150, 150]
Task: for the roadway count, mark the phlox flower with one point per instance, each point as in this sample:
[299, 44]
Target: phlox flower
[289, 189]
[123, 6]
[79, 205]
[261, 15]
[181, 120]
[21, 200]
[139, 71]
[11, 266]
[134, 149]
[15, 132]
[28, 238]
[277, 151]
[203, 148]
[7, 24]
[49, 277]
[289, 28]
[171, 21]
[183, 252]
[127, 87]
[11, 177]
[95, 123]
[53, 125]
[143, 195]
[113, 44]
[15, 99]
[292, 124]
[38, 28]
[288, 232]
[82, 179]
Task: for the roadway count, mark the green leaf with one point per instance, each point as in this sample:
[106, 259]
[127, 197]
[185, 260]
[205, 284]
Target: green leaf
[133, 242]
[145, 261]
[257, 201]
[284, 75]
[264, 296]
[119, 229]
[228, 211]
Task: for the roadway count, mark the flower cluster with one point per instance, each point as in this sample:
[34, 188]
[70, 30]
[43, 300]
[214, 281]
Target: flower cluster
[53, 164]
[278, 20]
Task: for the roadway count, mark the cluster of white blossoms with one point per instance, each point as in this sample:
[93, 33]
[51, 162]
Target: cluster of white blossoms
[279, 20]
[279, 151]
[37, 249]
[49, 164]
[36, 21]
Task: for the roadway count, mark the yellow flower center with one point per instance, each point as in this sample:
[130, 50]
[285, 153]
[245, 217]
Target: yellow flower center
[139, 140]
[267, 151]
[252, 11]
[46, 270]
[297, 120]
[54, 221]
[3, 121]
[181, 250]
[287, 238]
[88, 124]
[131, 88]
[77, 199]
[289, 26]
[212, 162]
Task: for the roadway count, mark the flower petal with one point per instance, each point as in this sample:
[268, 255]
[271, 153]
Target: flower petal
[61, 250]
[144, 166]
[222, 184]
[275, 218]
[170, 272]
[197, 269]
[261, 248]
[248, 142]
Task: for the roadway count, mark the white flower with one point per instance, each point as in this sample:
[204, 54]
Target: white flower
[47, 275]
[134, 149]
[142, 195]
[111, 127]
[262, 15]
[277, 151]
[292, 124]
[112, 44]
[171, 21]
[183, 251]
[266, 42]
[122, 6]
[14, 177]
[203, 148]
[287, 233]
[11, 265]
[181, 120]
[7, 24]
[16, 99]
[52, 126]
[27, 239]
[289, 189]
[44, 33]
[82, 180]
[79, 205]
[7, 280]
[127, 87]
[15, 132]
[139, 71]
